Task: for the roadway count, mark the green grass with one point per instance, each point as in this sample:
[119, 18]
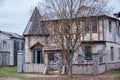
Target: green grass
[117, 73]
[12, 72]
[8, 71]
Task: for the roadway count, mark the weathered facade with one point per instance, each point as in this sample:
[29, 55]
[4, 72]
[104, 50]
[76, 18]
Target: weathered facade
[10, 45]
[100, 50]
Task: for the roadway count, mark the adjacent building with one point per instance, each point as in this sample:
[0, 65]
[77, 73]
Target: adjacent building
[10, 45]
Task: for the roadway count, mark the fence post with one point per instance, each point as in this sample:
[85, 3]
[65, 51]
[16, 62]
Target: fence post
[20, 62]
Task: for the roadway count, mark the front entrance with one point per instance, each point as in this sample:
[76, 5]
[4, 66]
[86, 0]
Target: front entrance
[37, 56]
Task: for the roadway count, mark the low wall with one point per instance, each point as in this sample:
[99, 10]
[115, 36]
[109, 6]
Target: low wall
[102, 68]
[82, 69]
[87, 69]
[33, 67]
[114, 65]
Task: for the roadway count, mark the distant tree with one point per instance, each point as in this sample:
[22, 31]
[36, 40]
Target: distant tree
[66, 29]
[117, 15]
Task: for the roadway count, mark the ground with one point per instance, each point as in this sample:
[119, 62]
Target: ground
[10, 73]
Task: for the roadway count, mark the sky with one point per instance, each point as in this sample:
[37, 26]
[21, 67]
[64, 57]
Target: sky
[14, 14]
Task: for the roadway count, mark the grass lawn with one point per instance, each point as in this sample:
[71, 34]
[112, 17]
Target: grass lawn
[11, 72]
[117, 73]
[8, 71]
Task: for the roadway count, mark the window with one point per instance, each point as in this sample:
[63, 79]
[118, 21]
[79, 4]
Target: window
[4, 45]
[37, 56]
[112, 53]
[18, 45]
[87, 28]
[51, 58]
[22, 47]
[88, 52]
[110, 26]
[94, 26]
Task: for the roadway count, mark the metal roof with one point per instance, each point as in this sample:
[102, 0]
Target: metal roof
[11, 35]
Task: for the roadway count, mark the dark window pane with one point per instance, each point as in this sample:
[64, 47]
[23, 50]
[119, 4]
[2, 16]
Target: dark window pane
[22, 47]
[18, 45]
[88, 53]
[110, 26]
[112, 53]
[94, 26]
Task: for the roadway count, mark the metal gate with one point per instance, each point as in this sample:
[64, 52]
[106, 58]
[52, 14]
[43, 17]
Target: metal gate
[4, 58]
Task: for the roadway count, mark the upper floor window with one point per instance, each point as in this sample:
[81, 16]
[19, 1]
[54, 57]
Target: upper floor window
[87, 27]
[18, 45]
[110, 26]
[4, 45]
[94, 26]
[22, 45]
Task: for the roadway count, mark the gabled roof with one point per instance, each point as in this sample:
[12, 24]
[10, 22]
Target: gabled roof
[11, 35]
[35, 26]
[36, 45]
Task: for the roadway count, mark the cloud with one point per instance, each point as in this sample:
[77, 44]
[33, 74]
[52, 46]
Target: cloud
[14, 14]
[116, 5]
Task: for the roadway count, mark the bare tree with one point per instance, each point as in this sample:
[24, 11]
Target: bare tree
[67, 26]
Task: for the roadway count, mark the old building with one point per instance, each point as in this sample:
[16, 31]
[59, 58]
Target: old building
[100, 50]
[10, 45]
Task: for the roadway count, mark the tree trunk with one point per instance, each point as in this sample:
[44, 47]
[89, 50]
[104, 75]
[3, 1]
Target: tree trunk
[69, 68]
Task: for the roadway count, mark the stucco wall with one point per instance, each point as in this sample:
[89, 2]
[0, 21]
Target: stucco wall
[116, 52]
[113, 35]
[87, 69]
[113, 65]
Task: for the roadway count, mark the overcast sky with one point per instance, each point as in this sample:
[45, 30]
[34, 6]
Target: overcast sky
[14, 14]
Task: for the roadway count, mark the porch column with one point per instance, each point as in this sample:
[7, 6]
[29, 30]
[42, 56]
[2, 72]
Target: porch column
[46, 63]
[20, 62]
[95, 63]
